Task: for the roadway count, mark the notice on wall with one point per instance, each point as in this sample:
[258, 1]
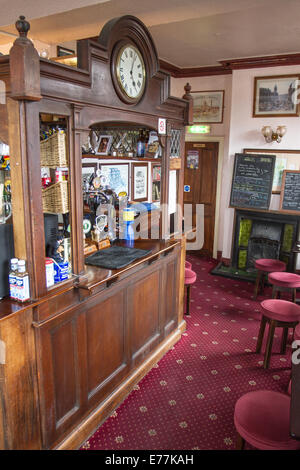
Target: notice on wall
[192, 159]
[252, 181]
[290, 193]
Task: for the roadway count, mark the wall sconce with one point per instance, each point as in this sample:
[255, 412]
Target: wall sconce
[273, 136]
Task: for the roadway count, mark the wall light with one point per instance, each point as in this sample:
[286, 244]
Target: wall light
[273, 136]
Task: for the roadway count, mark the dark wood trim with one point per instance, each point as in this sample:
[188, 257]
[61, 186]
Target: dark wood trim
[226, 66]
[178, 72]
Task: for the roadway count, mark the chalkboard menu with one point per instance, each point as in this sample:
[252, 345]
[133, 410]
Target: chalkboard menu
[252, 181]
[290, 194]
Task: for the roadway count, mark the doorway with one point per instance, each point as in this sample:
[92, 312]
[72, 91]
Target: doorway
[200, 180]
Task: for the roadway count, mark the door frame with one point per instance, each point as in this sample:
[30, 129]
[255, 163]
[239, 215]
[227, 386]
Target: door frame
[220, 141]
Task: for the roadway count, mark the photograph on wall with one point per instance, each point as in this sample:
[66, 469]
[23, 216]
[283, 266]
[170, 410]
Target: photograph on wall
[276, 96]
[139, 182]
[192, 160]
[208, 106]
[104, 144]
[116, 176]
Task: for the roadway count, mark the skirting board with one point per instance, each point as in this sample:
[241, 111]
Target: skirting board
[87, 428]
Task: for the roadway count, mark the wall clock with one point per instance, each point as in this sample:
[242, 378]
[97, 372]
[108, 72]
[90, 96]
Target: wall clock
[129, 73]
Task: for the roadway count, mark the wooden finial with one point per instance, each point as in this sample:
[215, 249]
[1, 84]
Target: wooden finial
[187, 89]
[22, 26]
[24, 64]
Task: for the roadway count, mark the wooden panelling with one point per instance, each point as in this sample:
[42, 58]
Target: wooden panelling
[144, 311]
[63, 347]
[19, 415]
[171, 296]
[105, 331]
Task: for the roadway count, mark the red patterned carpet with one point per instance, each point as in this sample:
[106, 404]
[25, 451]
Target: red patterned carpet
[187, 400]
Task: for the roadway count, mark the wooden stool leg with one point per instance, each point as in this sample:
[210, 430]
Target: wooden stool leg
[261, 334]
[188, 295]
[294, 295]
[240, 442]
[275, 292]
[268, 352]
[285, 333]
[257, 283]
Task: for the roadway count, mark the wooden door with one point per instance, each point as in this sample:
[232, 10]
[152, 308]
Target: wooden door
[202, 180]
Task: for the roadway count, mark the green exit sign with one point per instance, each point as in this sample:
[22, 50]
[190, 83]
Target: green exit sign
[198, 129]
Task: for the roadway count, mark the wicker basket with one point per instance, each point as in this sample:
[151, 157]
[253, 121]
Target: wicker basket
[53, 151]
[55, 198]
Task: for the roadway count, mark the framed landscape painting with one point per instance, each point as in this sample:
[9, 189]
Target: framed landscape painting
[208, 106]
[276, 96]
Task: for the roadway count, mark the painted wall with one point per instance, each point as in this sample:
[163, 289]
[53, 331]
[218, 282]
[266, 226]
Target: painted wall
[240, 130]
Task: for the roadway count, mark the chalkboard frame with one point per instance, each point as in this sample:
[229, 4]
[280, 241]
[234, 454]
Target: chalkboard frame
[281, 208]
[265, 207]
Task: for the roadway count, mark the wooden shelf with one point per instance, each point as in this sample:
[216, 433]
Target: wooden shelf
[109, 157]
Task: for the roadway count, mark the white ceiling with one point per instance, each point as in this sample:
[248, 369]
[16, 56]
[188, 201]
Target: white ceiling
[187, 33]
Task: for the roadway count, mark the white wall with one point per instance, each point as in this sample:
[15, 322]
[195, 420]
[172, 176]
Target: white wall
[240, 130]
[245, 132]
[219, 133]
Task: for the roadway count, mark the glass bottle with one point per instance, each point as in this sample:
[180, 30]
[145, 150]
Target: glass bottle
[12, 278]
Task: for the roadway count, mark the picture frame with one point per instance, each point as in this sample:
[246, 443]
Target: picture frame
[87, 170]
[290, 192]
[139, 182]
[276, 96]
[156, 181]
[63, 51]
[104, 144]
[285, 160]
[208, 106]
[116, 175]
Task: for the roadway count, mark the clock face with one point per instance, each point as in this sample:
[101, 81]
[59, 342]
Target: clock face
[131, 73]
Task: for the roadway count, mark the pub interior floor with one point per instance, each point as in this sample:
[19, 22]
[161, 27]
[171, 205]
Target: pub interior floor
[187, 400]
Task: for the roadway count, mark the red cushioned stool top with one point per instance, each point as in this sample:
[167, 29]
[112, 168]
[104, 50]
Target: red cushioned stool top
[262, 418]
[189, 276]
[281, 310]
[270, 265]
[284, 279]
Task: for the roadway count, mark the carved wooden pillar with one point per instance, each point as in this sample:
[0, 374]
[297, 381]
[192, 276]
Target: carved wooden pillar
[23, 131]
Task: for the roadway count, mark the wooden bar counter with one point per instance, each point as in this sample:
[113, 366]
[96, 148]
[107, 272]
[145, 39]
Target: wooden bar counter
[72, 354]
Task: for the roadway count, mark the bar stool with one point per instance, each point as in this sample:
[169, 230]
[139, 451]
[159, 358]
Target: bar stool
[278, 313]
[189, 279]
[284, 281]
[262, 419]
[264, 266]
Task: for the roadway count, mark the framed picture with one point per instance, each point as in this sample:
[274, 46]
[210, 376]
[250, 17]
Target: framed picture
[63, 51]
[156, 181]
[208, 106]
[116, 176]
[104, 144]
[88, 169]
[285, 160]
[275, 96]
[139, 182]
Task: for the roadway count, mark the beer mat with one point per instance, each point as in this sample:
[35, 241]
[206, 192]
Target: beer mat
[115, 257]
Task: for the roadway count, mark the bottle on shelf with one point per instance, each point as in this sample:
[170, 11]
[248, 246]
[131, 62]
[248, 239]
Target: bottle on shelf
[12, 278]
[140, 148]
[22, 282]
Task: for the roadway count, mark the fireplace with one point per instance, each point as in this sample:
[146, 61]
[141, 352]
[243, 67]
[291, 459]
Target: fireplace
[263, 235]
